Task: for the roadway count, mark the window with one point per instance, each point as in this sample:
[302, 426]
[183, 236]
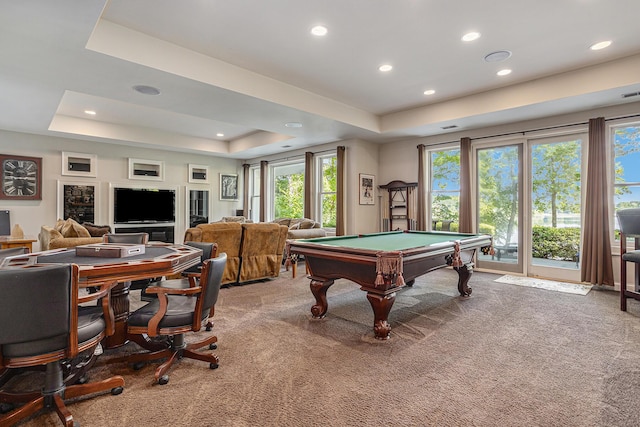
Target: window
[445, 189]
[626, 145]
[327, 185]
[288, 190]
[254, 193]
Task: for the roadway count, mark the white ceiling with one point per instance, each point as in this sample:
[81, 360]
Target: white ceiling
[247, 67]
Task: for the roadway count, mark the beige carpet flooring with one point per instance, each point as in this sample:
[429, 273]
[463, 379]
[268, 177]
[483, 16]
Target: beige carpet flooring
[506, 356]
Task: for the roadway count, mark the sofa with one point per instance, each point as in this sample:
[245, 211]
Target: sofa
[69, 233]
[301, 228]
[254, 250]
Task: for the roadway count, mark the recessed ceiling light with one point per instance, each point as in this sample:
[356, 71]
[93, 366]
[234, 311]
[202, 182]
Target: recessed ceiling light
[90, 112]
[386, 67]
[219, 134]
[146, 90]
[600, 45]
[293, 125]
[469, 37]
[429, 92]
[504, 72]
[319, 30]
[497, 56]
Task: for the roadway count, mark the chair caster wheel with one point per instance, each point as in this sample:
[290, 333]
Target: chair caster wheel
[117, 390]
[208, 328]
[213, 346]
[213, 366]
[137, 366]
[163, 379]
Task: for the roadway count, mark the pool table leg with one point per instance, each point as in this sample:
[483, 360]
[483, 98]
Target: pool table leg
[319, 290]
[464, 274]
[381, 305]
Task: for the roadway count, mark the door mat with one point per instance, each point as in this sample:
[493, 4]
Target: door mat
[532, 282]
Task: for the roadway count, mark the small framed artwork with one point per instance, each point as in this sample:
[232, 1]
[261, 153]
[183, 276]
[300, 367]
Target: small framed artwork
[79, 201]
[79, 164]
[199, 174]
[367, 185]
[21, 177]
[228, 187]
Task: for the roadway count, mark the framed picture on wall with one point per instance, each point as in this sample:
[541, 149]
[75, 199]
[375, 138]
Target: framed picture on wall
[21, 177]
[228, 187]
[367, 185]
[78, 201]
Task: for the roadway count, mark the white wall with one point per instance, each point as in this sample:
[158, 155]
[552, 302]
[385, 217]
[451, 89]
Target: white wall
[112, 168]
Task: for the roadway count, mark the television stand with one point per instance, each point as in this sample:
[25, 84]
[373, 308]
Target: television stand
[157, 232]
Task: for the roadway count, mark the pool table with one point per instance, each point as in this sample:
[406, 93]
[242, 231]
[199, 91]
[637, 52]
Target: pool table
[382, 263]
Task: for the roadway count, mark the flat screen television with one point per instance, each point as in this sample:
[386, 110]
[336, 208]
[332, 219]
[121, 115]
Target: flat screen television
[141, 205]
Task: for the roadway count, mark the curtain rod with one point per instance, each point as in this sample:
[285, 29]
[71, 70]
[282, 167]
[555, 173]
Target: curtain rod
[523, 132]
[294, 157]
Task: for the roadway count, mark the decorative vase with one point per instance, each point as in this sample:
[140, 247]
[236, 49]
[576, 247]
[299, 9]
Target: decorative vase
[17, 232]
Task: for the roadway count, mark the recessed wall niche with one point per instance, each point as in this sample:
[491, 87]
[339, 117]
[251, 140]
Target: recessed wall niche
[150, 170]
[79, 164]
[199, 174]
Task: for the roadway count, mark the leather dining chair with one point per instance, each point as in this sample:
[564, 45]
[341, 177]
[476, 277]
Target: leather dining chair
[135, 238]
[629, 222]
[179, 309]
[131, 238]
[193, 273]
[5, 253]
[43, 326]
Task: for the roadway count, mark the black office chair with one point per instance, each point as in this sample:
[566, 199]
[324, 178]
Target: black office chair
[178, 309]
[629, 221]
[42, 325]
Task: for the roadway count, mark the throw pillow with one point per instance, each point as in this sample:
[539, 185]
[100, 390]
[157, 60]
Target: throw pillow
[240, 219]
[306, 224]
[282, 221]
[96, 230]
[72, 229]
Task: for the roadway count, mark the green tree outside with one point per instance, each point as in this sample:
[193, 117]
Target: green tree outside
[289, 196]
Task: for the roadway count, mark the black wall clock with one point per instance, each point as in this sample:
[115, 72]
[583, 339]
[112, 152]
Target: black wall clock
[21, 177]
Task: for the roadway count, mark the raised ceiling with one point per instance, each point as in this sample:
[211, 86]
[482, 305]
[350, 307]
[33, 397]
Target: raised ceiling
[246, 68]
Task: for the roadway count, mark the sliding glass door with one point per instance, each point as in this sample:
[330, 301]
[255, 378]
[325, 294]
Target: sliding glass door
[499, 205]
[532, 209]
[555, 207]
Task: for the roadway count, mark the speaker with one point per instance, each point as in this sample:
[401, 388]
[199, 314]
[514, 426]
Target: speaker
[199, 175]
[79, 167]
[145, 172]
